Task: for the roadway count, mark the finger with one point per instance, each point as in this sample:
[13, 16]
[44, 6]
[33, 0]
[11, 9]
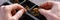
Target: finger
[19, 13]
[44, 12]
[47, 13]
[47, 5]
[13, 6]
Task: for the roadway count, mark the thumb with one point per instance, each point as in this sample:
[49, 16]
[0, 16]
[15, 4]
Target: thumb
[43, 11]
[47, 13]
[19, 14]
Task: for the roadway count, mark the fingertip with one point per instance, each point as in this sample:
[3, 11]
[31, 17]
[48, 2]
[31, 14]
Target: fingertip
[47, 5]
[41, 10]
[24, 10]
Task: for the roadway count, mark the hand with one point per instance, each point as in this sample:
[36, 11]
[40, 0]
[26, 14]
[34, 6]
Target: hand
[5, 12]
[51, 10]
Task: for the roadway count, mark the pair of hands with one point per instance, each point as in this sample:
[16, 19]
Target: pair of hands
[52, 14]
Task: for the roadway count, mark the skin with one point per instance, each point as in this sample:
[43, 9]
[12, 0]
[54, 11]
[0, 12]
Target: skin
[5, 12]
[47, 5]
[53, 13]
